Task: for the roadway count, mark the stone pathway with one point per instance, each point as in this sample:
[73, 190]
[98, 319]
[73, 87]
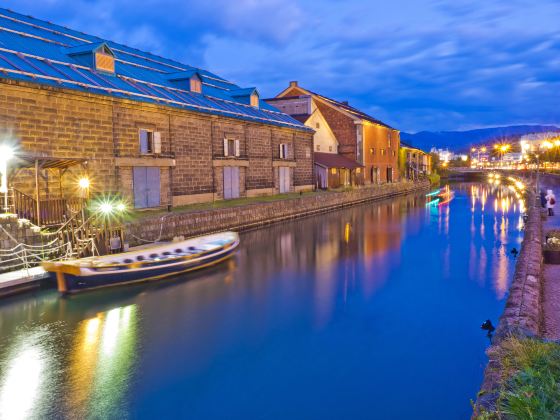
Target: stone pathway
[551, 301]
[551, 273]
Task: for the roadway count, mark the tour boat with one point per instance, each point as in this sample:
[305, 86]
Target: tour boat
[152, 263]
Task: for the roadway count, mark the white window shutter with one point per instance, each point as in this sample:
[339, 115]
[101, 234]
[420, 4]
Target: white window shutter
[237, 151]
[157, 142]
[226, 147]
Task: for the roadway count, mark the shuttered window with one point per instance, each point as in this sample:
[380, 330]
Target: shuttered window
[283, 151]
[232, 147]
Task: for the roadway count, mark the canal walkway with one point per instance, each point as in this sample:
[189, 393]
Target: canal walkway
[551, 272]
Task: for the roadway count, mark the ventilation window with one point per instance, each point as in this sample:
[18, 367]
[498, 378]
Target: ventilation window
[317, 125]
[104, 60]
[255, 100]
[196, 85]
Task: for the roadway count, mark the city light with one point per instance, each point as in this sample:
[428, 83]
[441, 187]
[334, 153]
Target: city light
[6, 153]
[121, 207]
[84, 183]
[106, 208]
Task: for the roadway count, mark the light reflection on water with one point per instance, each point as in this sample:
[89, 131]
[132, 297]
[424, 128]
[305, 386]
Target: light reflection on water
[373, 307]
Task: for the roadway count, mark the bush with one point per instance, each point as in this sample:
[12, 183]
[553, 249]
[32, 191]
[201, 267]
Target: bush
[434, 178]
[529, 381]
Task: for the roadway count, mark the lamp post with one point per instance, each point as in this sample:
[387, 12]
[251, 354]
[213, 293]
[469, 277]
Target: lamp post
[6, 153]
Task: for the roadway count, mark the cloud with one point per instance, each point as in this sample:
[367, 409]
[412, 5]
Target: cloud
[417, 64]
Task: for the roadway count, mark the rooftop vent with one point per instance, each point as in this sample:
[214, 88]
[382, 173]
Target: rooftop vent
[249, 96]
[97, 55]
[188, 80]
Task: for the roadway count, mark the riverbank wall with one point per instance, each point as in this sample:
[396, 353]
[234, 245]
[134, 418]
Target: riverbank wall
[248, 216]
[523, 312]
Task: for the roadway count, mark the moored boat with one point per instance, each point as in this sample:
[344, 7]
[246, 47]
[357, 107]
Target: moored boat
[152, 263]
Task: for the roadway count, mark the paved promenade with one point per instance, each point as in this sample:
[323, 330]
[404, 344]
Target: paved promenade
[551, 273]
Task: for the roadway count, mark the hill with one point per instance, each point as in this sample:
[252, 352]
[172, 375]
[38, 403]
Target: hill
[462, 140]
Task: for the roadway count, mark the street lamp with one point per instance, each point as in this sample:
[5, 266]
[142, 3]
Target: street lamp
[6, 153]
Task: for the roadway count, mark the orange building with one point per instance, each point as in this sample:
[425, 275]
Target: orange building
[360, 137]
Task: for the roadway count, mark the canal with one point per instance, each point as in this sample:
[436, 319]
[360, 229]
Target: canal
[369, 312]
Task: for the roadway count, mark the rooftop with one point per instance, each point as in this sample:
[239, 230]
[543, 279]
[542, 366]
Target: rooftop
[41, 52]
[343, 105]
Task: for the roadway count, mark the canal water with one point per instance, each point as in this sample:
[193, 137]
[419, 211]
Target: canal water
[369, 312]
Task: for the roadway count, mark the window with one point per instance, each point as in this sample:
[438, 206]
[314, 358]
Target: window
[333, 171]
[318, 147]
[104, 60]
[307, 152]
[372, 151]
[382, 152]
[317, 125]
[146, 141]
[196, 85]
[330, 148]
[255, 100]
[394, 153]
[389, 139]
[283, 151]
[231, 147]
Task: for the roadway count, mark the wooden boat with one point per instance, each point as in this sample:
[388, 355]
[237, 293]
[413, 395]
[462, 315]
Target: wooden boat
[150, 263]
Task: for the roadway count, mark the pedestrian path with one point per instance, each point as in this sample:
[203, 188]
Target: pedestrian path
[551, 277]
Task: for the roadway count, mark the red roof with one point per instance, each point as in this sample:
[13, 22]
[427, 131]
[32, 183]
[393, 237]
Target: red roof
[334, 160]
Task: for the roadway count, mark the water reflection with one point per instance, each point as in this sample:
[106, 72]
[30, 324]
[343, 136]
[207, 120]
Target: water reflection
[339, 304]
[22, 381]
[101, 363]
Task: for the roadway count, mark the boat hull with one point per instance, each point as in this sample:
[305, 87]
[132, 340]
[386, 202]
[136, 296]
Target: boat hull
[75, 284]
[152, 263]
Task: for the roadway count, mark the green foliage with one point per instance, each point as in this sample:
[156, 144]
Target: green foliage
[530, 380]
[434, 178]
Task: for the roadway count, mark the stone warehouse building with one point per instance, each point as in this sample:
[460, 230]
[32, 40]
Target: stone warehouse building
[152, 129]
[359, 137]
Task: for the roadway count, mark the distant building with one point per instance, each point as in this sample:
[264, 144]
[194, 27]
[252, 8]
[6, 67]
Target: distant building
[414, 163]
[445, 155]
[359, 137]
[332, 170]
[513, 157]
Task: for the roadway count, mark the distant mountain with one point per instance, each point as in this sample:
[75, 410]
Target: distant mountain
[462, 140]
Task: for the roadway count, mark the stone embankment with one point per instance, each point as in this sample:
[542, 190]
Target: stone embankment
[192, 223]
[522, 316]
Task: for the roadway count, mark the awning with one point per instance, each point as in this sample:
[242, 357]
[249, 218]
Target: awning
[45, 162]
[334, 160]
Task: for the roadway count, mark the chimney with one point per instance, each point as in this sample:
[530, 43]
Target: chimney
[344, 102]
[293, 83]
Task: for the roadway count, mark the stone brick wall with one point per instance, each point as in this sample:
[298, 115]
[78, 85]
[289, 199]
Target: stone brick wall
[62, 123]
[252, 215]
[375, 141]
[522, 315]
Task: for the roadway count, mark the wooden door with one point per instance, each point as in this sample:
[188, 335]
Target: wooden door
[146, 187]
[231, 182]
[284, 179]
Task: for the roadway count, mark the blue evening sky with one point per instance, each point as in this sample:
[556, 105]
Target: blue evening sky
[416, 64]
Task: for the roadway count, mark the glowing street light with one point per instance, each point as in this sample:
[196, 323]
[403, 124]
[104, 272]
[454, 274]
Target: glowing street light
[6, 153]
[106, 208]
[83, 183]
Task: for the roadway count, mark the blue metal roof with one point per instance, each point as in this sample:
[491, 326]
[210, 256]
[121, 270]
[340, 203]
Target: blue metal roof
[40, 52]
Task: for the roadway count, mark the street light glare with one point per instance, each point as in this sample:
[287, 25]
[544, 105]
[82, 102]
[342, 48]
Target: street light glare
[6, 152]
[106, 208]
[84, 183]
